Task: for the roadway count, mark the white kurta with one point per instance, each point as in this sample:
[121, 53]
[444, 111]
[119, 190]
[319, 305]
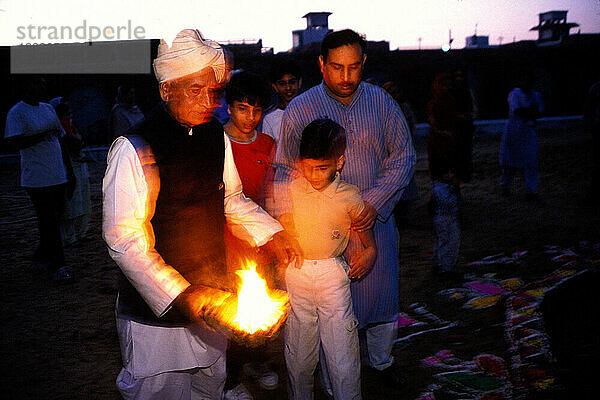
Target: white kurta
[519, 145]
[128, 208]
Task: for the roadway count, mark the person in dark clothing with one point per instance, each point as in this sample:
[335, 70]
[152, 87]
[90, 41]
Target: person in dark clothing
[411, 192]
[465, 129]
[449, 167]
[169, 187]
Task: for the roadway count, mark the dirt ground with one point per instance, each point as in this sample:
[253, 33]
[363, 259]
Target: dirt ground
[60, 342]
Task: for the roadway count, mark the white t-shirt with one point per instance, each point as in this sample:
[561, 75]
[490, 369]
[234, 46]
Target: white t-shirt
[41, 164]
[271, 123]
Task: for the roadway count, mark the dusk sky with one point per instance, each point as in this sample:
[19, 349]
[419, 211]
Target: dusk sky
[401, 22]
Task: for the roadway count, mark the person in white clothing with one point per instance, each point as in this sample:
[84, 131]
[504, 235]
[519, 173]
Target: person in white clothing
[78, 208]
[33, 128]
[169, 187]
[519, 144]
[323, 209]
[286, 82]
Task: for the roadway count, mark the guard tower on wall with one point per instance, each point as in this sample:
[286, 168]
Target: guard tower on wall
[553, 27]
[477, 42]
[317, 27]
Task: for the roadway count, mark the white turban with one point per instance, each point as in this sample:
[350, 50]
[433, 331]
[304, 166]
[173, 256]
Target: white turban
[189, 53]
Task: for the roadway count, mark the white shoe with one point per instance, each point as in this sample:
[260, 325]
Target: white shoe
[237, 393]
[266, 377]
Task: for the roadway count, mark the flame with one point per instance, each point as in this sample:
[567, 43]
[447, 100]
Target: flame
[258, 309]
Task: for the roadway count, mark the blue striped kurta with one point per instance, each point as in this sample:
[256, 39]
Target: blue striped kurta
[380, 160]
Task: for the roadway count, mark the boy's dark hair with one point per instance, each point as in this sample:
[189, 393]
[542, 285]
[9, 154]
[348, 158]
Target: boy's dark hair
[281, 67]
[249, 87]
[337, 39]
[322, 139]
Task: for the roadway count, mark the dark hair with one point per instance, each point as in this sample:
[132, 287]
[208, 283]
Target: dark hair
[249, 87]
[125, 86]
[525, 80]
[280, 67]
[322, 139]
[336, 39]
[62, 110]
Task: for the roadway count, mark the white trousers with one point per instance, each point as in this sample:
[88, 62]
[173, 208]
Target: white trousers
[321, 314]
[168, 363]
[195, 384]
[380, 340]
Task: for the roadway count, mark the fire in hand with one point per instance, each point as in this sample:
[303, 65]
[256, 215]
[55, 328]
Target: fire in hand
[258, 309]
[252, 313]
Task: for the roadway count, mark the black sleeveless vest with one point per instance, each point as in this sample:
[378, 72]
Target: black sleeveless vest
[189, 218]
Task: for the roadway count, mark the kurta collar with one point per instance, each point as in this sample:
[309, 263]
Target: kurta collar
[355, 96]
[177, 127]
[329, 191]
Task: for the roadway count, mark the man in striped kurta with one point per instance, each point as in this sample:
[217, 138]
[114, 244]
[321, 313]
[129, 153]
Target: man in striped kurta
[380, 160]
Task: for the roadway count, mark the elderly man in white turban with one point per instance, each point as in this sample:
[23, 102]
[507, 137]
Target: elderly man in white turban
[170, 186]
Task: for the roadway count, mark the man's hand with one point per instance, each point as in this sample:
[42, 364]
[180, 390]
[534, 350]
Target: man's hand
[206, 304]
[217, 310]
[16, 143]
[366, 219]
[260, 337]
[285, 248]
[361, 263]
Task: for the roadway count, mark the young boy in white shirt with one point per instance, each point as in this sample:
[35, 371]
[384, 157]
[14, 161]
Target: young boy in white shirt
[286, 82]
[322, 208]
